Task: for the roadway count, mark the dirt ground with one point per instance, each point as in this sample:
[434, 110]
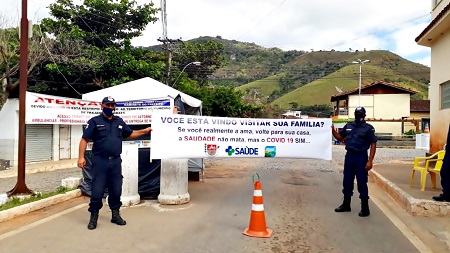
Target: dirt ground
[299, 201]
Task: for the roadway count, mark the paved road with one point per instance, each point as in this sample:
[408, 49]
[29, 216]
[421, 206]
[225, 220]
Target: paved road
[49, 181]
[299, 206]
[41, 182]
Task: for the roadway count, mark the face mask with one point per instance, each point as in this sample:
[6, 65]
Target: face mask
[108, 111]
[359, 118]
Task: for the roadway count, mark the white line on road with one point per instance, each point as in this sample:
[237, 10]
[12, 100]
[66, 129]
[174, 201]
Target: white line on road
[408, 233]
[42, 221]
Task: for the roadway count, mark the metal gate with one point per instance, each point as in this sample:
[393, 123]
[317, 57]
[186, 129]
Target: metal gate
[39, 143]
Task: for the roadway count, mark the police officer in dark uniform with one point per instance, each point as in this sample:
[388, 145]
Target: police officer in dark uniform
[107, 132]
[358, 136]
[445, 173]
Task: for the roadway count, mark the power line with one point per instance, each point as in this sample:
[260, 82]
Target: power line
[53, 60]
[263, 17]
[106, 44]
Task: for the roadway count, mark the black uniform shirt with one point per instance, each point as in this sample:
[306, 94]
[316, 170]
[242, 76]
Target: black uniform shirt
[107, 135]
[358, 137]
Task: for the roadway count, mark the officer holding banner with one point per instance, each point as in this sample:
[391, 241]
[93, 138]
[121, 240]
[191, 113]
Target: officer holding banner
[358, 136]
[107, 132]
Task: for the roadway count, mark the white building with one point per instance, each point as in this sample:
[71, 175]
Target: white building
[436, 36]
[57, 142]
[383, 101]
[43, 142]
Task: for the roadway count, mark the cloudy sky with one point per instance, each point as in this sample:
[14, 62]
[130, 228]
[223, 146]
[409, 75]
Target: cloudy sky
[287, 24]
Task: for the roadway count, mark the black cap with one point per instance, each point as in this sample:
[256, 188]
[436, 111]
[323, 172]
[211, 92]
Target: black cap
[360, 109]
[108, 100]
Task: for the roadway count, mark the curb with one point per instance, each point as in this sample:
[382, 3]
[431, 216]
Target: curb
[12, 172]
[14, 212]
[413, 206]
[398, 147]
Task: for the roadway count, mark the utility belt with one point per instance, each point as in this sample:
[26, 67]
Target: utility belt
[357, 152]
[108, 157]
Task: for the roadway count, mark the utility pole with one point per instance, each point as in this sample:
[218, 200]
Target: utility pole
[169, 52]
[167, 42]
[21, 187]
[360, 62]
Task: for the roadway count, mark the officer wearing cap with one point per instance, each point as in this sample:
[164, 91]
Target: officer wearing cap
[107, 132]
[358, 136]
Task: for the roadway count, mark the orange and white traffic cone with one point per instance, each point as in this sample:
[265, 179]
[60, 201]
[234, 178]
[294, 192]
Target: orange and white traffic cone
[257, 227]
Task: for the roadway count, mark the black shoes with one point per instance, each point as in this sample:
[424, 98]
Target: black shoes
[345, 207]
[364, 208]
[93, 221]
[117, 219]
[442, 198]
[114, 219]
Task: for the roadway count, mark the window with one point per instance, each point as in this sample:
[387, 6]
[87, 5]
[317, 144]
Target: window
[436, 2]
[445, 95]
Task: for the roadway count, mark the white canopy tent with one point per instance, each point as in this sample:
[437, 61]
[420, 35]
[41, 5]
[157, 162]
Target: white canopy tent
[149, 88]
[145, 88]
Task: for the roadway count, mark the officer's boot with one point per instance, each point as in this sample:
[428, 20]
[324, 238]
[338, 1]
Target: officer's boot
[116, 218]
[93, 220]
[345, 207]
[364, 208]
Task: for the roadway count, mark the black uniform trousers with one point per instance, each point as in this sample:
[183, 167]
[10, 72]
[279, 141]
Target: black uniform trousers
[107, 173]
[445, 170]
[355, 166]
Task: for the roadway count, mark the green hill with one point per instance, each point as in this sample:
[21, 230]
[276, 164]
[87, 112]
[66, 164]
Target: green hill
[307, 78]
[347, 78]
[263, 87]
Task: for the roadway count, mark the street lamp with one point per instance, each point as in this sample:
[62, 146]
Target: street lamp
[197, 63]
[360, 62]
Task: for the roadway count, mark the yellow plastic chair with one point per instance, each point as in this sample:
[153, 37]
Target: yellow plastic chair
[436, 157]
[437, 168]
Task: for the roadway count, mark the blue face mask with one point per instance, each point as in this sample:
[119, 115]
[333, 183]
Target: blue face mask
[108, 111]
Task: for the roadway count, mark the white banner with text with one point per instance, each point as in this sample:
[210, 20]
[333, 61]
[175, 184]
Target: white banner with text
[187, 136]
[46, 109]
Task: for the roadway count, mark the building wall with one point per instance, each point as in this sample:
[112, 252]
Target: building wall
[367, 101]
[9, 122]
[55, 142]
[393, 128]
[75, 135]
[383, 106]
[392, 106]
[439, 119]
[436, 9]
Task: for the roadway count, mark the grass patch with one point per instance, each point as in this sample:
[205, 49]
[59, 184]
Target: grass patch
[264, 87]
[337, 121]
[16, 201]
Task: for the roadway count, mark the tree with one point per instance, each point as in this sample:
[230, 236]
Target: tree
[209, 53]
[101, 23]
[9, 56]
[91, 47]
[221, 101]
[294, 105]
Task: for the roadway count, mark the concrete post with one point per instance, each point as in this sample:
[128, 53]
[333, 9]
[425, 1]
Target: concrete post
[130, 163]
[174, 182]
